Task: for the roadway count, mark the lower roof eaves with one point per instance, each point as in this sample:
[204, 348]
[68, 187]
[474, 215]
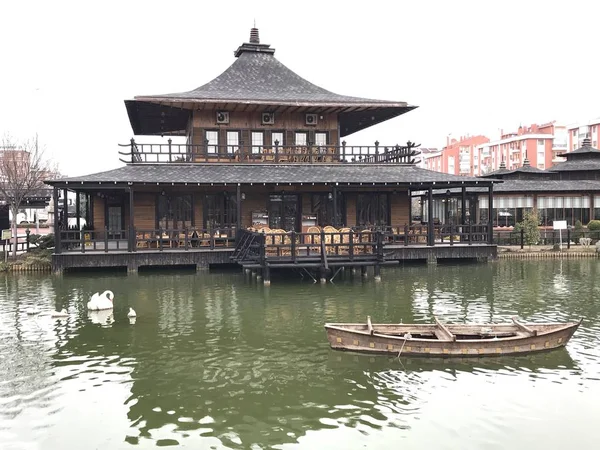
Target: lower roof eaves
[244, 174]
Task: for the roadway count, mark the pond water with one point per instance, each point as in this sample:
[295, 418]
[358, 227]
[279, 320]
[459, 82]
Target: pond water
[215, 360]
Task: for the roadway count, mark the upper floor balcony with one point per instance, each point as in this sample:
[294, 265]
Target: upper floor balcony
[134, 153]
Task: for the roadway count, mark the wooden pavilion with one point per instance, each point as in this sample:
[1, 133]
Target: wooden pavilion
[264, 178]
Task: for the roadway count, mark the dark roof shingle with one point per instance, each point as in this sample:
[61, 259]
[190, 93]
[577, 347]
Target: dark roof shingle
[265, 173]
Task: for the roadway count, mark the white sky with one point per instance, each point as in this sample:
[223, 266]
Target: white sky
[471, 66]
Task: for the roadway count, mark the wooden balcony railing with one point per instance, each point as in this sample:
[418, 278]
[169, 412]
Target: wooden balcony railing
[359, 242]
[276, 154]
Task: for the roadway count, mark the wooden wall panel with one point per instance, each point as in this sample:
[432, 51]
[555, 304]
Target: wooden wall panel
[98, 213]
[144, 210]
[199, 209]
[399, 205]
[350, 209]
[238, 120]
[255, 201]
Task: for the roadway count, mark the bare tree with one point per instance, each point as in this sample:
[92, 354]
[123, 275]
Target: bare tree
[23, 169]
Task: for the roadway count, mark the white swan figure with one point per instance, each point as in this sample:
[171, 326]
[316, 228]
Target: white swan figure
[99, 302]
[33, 310]
[62, 313]
[131, 313]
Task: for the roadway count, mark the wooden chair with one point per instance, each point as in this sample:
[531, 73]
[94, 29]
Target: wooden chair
[141, 241]
[345, 235]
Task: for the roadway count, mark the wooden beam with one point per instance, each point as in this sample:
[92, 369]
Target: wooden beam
[369, 325]
[524, 327]
[444, 331]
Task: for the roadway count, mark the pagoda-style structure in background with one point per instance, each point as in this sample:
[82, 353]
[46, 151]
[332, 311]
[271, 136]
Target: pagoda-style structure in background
[264, 179]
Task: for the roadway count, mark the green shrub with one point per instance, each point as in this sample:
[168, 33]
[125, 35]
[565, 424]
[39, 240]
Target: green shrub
[593, 225]
[42, 242]
[529, 225]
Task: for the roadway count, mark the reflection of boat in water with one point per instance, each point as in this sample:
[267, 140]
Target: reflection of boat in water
[450, 340]
[559, 359]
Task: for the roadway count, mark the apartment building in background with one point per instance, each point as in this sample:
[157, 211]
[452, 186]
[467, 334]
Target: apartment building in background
[477, 155]
[539, 144]
[458, 157]
[577, 132]
[428, 156]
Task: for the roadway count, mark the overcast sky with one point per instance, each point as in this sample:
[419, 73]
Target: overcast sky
[471, 66]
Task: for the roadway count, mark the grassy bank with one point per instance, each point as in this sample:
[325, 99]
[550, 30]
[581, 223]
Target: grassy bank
[33, 261]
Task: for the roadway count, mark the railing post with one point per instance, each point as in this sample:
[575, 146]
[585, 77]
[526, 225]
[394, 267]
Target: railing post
[522, 238]
[186, 238]
[343, 151]
[568, 238]
[170, 154]
[293, 246]
[160, 243]
[310, 153]
[406, 235]
[470, 234]
[132, 150]
[105, 239]
[133, 238]
[376, 151]
[27, 233]
[351, 245]
[81, 241]
[276, 160]
[212, 240]
[379, 245]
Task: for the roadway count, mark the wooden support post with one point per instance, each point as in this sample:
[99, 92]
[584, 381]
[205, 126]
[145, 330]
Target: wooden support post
[377, 269]
[267, 273]
[430, 230]
[410, 214]
[335, 211]
[490, 236]
[78, 211]
[238, 193]
[131, 242]
[463, 206]
[363, 271]
[57, 245]
[323, 274]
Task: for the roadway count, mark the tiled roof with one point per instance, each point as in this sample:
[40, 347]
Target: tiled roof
[576, 165]
[257, 77]
[540, 186]
[266, 173]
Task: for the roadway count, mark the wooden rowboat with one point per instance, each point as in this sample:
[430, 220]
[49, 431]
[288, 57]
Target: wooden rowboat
[449, 340]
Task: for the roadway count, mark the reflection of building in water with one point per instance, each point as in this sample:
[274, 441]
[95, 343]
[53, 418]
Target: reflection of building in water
[175, 311]
[221, 307]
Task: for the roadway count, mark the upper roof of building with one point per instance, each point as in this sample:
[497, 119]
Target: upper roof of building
[525, 169]
[584, 158]
[219, 174]
[256, 77]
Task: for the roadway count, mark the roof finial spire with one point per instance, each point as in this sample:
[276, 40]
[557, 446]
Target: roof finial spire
[254, 35]
[587, 142]
[526, 160]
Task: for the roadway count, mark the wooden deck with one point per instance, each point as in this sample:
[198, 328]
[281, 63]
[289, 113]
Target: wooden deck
[320, 254]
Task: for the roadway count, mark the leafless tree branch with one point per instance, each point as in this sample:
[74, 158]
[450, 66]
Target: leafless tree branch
[23, 169]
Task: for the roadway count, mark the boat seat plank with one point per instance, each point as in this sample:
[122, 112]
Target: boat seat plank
[525, 328]
[442, 331]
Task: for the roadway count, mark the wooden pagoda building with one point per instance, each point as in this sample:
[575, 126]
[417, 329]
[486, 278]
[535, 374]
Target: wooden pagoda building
[264, 179]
